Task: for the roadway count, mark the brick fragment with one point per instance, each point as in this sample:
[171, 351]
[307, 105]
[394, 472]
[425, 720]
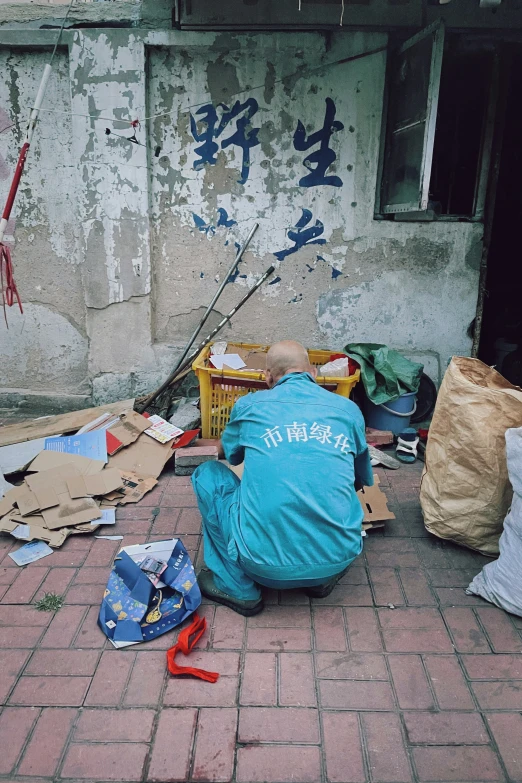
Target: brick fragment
[64, 627]
[215, 745]
[170, 761]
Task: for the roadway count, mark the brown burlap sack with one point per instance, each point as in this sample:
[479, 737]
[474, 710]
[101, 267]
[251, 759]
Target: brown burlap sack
[465, 490]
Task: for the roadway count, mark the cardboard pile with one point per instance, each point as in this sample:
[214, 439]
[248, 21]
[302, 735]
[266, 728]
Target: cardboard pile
[64, 491]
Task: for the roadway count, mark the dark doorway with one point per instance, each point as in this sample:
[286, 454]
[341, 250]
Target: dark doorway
[501, 334]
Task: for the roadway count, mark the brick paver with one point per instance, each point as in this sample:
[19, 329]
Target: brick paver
[397, 677]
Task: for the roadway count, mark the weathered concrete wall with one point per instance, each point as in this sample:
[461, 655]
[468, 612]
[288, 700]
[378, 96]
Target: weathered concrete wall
[47, 347]
[118, 250]
[410, 285]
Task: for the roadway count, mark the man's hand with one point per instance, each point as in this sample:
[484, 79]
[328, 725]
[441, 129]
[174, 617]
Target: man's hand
[221, 453]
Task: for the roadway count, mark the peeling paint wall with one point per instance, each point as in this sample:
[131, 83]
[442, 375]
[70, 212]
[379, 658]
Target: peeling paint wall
[120, 246]
[410, 285]
[46, 349]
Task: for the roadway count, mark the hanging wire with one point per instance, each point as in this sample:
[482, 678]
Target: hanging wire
[184, 110]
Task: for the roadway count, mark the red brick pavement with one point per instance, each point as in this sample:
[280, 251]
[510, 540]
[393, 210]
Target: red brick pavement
[397, 677]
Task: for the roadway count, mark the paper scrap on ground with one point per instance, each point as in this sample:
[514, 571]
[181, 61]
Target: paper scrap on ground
[30, 553]
[232, 360]
[108, 517]
[162, 430]
[110, 538]
[21, 531]
[89, 444]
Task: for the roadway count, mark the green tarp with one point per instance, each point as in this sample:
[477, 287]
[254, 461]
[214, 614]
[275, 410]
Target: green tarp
[385, 373]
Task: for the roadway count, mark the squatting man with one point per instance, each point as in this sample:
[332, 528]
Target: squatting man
[294, 520]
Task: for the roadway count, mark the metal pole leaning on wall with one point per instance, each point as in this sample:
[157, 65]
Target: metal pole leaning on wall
[141, 407]
[216, 296]
[181, 367]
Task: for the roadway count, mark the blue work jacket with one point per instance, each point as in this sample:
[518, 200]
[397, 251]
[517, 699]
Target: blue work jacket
[303, 447]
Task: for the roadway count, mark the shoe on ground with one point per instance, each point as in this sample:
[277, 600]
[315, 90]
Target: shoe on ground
[323, 591]
[213, 593]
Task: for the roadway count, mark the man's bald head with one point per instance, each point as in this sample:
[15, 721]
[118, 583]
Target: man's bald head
[285, 357]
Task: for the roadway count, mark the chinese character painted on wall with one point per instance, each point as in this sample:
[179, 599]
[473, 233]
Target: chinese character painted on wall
[303, 235]
[244, 137]
[319, 161]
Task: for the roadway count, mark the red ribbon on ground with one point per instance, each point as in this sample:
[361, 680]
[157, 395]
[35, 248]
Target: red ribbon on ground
[8, 285]
[187, 640]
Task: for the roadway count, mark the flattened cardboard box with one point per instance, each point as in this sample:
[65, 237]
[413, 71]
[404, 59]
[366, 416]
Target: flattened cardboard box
[46, 460]
[38, 531]
[134, 488]
[146, 457]
[101, 483]
[375, 505]
[128, 429]
[68, 511]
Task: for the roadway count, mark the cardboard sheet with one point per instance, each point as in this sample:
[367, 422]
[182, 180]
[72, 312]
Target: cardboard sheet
[99, 484]
[146, 457]
[37, 529]
[375, 505]
[56, 425]
[129, 427]
[54, 459]
[16, 458]
[71, 512]
[134, 488]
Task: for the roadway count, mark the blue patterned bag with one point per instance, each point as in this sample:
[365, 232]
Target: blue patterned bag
[133, 609]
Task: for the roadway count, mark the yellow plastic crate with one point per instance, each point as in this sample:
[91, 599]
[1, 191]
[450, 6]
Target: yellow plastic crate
[220, 389]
